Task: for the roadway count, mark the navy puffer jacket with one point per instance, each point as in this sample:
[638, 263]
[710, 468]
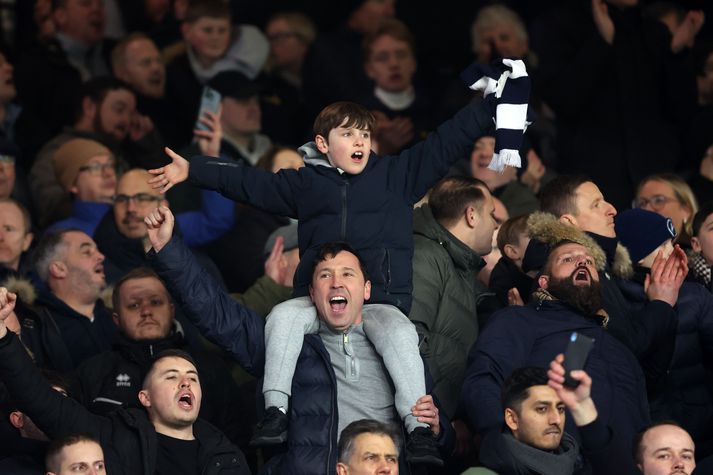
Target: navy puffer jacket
[372, 210]
[683, 394]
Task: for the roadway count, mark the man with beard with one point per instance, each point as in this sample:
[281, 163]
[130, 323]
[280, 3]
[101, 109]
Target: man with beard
[568, 300]
[121, 234]
[107, 114]
[647, 330]
[73, 268]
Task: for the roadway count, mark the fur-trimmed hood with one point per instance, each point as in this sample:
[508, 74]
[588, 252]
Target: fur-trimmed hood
[548, 229]
[20, 286]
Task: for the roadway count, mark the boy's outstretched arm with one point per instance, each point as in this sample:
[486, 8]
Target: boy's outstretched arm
[171, 174]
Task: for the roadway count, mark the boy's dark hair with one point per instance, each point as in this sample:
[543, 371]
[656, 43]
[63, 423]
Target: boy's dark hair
[330, 249]
[52, 462]
[336, 113]
[169, 353]
[638, 447]
[96, 90]
[559, 196]
[516, 388]
[395, 29]
[511, 230]
[345, 445]
[198, 9]
[450, 196]
[137, 273]
[702, 214]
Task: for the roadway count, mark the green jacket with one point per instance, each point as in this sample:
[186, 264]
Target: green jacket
[446, 292]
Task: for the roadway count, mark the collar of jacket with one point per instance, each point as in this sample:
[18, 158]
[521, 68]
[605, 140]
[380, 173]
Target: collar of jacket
[542, 297]
[426, 225]
[618, 259]
[143, 351]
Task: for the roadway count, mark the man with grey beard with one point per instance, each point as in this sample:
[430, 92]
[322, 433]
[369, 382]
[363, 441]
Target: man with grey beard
[568, 300]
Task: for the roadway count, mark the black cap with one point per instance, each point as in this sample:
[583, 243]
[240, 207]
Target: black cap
[234, 84]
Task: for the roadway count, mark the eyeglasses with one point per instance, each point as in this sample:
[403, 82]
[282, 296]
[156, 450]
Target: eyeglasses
[139, 198]
[97, 168]
[657, 202]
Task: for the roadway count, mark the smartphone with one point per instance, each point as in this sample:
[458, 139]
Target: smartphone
[210, 101]
[575, 356]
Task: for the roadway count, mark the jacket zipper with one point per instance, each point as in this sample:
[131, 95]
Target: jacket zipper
[344, 210]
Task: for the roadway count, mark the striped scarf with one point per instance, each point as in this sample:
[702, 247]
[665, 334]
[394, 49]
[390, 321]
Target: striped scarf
[509, 83]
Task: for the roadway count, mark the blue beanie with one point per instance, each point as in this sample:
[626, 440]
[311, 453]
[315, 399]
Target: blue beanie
[642, 231]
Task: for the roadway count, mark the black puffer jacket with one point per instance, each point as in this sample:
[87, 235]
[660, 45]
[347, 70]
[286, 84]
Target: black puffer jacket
[127, 436]
[682, 394]
[370, 210]
[113, 378]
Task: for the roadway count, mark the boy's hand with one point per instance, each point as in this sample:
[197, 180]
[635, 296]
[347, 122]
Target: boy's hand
[427, 412]
[159, 223]
[171, 174]
[209, 140]
[7, 305]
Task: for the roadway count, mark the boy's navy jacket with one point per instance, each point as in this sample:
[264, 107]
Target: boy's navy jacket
[372, 210]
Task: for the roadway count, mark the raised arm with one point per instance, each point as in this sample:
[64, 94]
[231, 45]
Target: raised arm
[52, 412]
[230, 325]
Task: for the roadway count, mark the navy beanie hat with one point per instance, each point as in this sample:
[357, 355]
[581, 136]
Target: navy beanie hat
[642, 231]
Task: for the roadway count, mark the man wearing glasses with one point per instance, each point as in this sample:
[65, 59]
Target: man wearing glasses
[120, 235]
[86, 170]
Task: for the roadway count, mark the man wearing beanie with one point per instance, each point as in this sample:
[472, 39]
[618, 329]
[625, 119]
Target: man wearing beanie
[85, 169]
[681, 393]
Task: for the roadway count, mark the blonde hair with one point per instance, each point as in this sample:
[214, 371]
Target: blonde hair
[681, 191]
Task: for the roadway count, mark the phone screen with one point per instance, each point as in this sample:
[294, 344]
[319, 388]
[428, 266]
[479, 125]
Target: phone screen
[210, 101]
[575, 356]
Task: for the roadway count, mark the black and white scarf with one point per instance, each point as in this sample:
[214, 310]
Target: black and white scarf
[509, 83]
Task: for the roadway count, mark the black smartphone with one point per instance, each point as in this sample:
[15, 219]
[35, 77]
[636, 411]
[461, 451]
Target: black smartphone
[210, 101]
[575, 356]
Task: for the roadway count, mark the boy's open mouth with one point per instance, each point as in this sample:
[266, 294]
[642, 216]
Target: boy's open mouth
[358, 156]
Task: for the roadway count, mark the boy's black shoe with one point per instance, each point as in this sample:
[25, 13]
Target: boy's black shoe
[271, 430]
[421, 447]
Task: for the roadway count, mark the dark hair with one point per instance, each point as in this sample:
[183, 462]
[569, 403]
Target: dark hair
[336, 113]
[362, 426]
[511, 230]
[638, 447]
[516, 387]
[198, 9]
[330, 249]
[137, 273]
[169, 353]
[450, 196]
[54, 449]
[395, 29]
[702, 214]
[560, 195]
[96, 90]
